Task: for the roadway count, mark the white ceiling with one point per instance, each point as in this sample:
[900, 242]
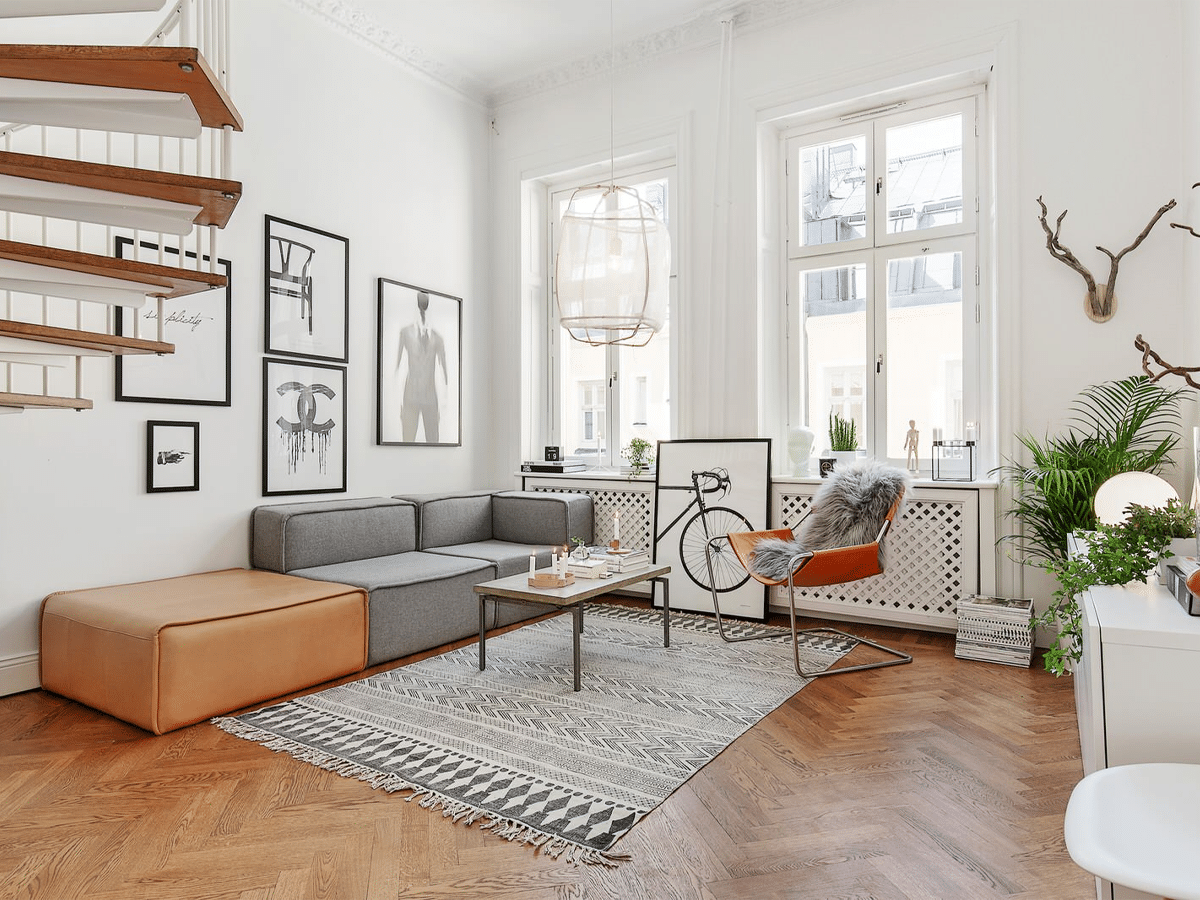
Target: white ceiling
[491, 43]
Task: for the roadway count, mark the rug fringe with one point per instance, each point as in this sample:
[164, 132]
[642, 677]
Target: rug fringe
[461, 813]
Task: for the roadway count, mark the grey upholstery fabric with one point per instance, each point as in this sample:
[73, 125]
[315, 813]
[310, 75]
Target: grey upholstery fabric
[541, 517]
[418, 600]
[509, 559]
[292, 536]
[456, 518]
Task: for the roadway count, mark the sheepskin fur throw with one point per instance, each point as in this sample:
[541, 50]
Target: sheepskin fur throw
[848, 509]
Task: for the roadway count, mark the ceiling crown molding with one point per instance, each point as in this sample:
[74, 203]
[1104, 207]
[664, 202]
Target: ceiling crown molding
[353, 22]
[700, 30]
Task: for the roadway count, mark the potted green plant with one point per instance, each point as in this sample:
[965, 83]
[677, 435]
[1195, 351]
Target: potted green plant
[1129, 425]
[639, 455]
[1172, 526]
[843, 437]
[1112, 554]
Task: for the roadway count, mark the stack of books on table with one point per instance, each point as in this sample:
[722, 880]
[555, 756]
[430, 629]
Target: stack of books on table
[592, 567]
[995, 629]
[620, 561]
[555, 467]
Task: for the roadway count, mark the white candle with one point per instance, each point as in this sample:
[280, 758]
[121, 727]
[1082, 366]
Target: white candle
[971, 431]
[532, 560]
[617, 525]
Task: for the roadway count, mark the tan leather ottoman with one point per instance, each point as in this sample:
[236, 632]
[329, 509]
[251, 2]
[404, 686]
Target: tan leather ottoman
[168, 653]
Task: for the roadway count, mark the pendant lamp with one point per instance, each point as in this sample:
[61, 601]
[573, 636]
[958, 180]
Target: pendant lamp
[612, 272]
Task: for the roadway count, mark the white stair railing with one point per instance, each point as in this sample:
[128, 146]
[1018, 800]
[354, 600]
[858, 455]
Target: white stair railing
[203, 24]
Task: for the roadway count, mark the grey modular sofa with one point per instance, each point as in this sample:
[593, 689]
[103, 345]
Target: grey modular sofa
[419, 556]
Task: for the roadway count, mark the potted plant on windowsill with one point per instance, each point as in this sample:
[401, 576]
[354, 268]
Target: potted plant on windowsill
[641, 460]
[843, 438]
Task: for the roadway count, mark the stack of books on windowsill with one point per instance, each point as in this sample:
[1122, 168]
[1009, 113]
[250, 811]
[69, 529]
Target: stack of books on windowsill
[555, 467]
[995, 629]
[624, 560]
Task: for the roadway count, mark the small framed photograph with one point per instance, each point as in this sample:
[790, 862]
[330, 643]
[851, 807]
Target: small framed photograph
[198, 372]
[304, 428]
[172, 456]
[307, 291]
[419, 374]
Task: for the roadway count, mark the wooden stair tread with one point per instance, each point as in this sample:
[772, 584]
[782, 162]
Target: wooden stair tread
[217, 197]
[168, 282]
[116, 344]
[38, 401]
[139, 68]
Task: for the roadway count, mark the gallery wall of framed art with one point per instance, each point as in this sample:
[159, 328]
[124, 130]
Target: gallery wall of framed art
[418, 366]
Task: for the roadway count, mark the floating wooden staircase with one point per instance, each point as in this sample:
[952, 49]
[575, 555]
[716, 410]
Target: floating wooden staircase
[154, 90]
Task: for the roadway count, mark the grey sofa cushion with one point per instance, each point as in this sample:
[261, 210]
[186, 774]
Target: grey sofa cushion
[457, 518]
[418, 600]
[290, 536]
[541, 517]
[509, 559]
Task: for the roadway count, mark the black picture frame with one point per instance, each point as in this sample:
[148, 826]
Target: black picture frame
[199, 372]
[304, 427]
[742, 504]
[418, 406]
[172, 456]
[306, 292]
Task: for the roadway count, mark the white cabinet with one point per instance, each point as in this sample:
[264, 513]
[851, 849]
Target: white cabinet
[1137, 690]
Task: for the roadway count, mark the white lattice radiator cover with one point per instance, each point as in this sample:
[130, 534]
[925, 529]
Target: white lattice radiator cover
[932, 561]
[933, 550]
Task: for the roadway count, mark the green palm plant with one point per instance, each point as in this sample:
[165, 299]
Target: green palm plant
[1130, 425]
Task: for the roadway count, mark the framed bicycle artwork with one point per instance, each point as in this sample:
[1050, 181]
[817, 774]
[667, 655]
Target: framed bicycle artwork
[702, 489]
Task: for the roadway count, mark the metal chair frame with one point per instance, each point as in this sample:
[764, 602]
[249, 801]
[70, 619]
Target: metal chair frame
[797, 564]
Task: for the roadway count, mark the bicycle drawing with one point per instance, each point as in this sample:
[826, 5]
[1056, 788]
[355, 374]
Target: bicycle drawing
[708, 522]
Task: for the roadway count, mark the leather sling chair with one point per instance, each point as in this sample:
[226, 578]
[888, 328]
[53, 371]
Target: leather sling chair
[809, 568]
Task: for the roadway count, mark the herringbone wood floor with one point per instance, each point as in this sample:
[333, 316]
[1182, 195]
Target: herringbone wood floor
[941, 779]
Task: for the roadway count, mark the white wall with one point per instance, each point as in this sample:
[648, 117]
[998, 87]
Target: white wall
[1089, 101]
[337, 137]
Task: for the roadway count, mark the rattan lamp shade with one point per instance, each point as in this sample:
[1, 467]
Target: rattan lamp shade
[613, 267]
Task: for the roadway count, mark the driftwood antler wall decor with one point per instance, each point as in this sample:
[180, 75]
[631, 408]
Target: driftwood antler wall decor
[1101, 300]
[1184, 372]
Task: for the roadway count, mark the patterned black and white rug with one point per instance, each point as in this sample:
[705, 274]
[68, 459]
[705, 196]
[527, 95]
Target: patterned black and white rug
[516, 750]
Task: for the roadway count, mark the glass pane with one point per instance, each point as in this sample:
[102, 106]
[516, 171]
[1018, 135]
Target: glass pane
[924, 174]
[583, 396]
[925, 351]
[833, 197]
[645, 382]
[834, 304]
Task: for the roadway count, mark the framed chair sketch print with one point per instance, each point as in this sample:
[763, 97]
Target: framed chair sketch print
[307, 291]
[419, 366]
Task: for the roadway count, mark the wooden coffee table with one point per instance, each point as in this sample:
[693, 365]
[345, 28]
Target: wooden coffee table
[516, 589]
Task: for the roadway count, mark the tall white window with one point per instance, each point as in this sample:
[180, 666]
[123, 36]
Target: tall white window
[605, 396]
[881, 274]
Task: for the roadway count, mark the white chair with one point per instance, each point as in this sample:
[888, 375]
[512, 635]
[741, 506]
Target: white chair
[1139, 826]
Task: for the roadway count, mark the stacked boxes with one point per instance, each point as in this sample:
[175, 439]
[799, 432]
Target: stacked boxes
[995, 629]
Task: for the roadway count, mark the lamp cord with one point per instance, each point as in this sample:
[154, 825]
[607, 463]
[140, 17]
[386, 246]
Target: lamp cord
[612, 98]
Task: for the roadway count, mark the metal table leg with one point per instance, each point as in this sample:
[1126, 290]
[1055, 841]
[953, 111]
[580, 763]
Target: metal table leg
[577, 616]
[666, 586]
[482, 632]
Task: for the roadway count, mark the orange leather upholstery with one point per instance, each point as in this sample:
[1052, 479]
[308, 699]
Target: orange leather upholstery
[837, 565]
[168, 653]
